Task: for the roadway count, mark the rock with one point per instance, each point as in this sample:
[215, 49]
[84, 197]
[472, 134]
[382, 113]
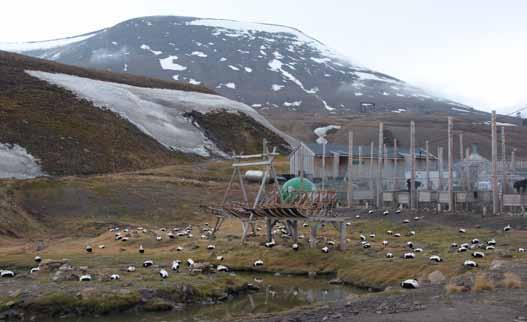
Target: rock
[497, 264]
[465, 281]
[50, 265]
[336, 281]
[312, 274]
[436, 277]
[83, 268]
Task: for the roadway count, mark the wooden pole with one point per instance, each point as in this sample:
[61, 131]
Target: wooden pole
[370, 174]
[494, 169]
[413, 202]
[302, 174]
[440, 169]
[350, 167]
[427, 144]
[461, 159]
[395, 165]
[504, 166]
[450, 165]
[513, 161]
[379, 165]
[385, 159]
[323, 166]
[359, 170]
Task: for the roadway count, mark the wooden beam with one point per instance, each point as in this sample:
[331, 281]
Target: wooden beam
[251, 164]
[440, 167]
[379, 165]
[427, 144]
[395, 165]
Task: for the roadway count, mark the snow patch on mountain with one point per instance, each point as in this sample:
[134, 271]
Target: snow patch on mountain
[158, 113]
[147, 48]
[42, 45]
[17, 163]
[169, 64]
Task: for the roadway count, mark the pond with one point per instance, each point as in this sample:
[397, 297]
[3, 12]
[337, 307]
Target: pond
[276, 294]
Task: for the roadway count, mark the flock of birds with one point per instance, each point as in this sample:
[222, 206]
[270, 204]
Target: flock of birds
[475, 246]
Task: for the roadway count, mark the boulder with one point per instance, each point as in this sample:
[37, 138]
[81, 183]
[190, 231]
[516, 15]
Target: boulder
[436, 277]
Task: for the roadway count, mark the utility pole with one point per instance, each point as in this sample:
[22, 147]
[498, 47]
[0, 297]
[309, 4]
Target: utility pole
[462, 159]
[370, 174]
[450, 165]
[504, 166]
[494, 165]
[412, 164]
[379, 165]
[350, 166]
[385, 168]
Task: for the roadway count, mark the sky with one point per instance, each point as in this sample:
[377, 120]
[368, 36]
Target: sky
[472, 51]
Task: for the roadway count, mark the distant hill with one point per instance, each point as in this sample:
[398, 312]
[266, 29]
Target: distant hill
[269, 67]
[63, 120]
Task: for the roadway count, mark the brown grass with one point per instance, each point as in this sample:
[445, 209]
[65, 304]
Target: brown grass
[482, 282]
[512, 280]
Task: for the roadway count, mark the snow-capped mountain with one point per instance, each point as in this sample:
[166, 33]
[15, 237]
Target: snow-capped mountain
[265, 66]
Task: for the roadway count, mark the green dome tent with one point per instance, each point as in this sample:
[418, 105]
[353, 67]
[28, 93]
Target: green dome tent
[291, 189]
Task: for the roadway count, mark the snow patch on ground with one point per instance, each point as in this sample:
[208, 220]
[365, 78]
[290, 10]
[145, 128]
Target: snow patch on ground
[158, 113]
[48, 44]
[169, 64]
[277, 87]
[194, 82]
[399, 110]
[17, 163]
[459, 110]
[323, 131]
[296, 103]
[248, 69]
[234, 68]
[147, 48]
[199, 54]
[374, 77]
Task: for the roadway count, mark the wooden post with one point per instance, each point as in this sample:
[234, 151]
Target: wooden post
[413, 194]
[313, 235]
[395, 165]
[494, 169]
[370, 175]
[359, 169]
[504, 166]
[323, 166]
[302, 174]
[336, 162]
[427, 165]
[513, 161]
[461, 159]
[385, 163]
[440, 168]
[450, 165]
[342, 235]
[269, 229]
[350, 167]
[379, 165]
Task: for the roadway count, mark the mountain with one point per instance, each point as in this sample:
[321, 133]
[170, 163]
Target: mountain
[64, 120]
[269, 67]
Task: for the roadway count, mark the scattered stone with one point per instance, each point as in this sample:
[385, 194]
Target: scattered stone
[336, 281]
[436, 277]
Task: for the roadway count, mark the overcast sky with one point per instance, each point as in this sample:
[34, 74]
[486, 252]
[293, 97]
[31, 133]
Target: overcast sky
[473, 51]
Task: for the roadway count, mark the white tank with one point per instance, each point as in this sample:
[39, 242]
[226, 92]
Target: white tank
[254, 175]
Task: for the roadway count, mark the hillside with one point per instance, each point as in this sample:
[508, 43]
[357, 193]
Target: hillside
[54, 123]
[269, 67]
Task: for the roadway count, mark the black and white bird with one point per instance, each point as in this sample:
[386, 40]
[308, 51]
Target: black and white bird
[490, 247]
[85, 278]
[34, 270]
[362, 237]
[417, 218]
[410, 245]
[409, 255]
[219, 258]
[398, 211]
[38, 259]
[418, 250]
[366, 245]
[330, 243]
[406, 221]
[295, 247]
[130, 269]
[88, 248]
[141, 249]
[325, 249]
[115, 277]
[159, 238]
[270, 244]
[372, 236]
[389, 255]
[148, 263]
[163, 273]
[370, 212]
[222, 268]
[258, 263]
[179, 249]
[435, 259]
[462, 230]
[475, 241]
[397, 235]
[491, 242]
[507, 228]
[410, 284]
[389, 232]
[190, 262]
[102, 247]
[462, 249]
[6, 273]
[386, 213]
[478, 254]
[521, 250]
[412, 233]
[175, 265]
[454, 245]
[384, 243]
[357, 216]
[470, 264]
[211, 247]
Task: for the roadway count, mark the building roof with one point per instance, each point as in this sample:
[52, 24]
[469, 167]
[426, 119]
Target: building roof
[342, 149]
